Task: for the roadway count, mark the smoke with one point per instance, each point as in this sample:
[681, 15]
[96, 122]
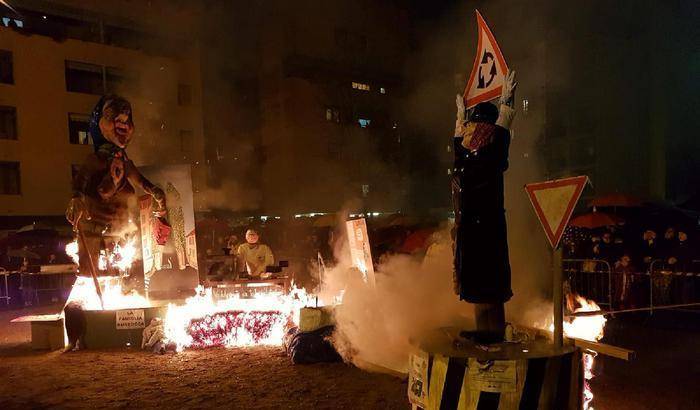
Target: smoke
[377, 325]
[229, 195]
[413, 298]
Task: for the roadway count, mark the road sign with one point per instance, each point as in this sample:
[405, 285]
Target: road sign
[554, 202]
[489, 70]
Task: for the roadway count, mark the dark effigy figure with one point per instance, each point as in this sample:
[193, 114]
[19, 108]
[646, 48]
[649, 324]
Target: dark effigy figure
[481, 263]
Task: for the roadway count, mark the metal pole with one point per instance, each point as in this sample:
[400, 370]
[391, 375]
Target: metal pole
[558, 297]
[614, 312]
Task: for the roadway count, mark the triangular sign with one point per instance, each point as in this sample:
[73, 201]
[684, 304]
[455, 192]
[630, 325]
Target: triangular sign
[554, 202]
[489, 70]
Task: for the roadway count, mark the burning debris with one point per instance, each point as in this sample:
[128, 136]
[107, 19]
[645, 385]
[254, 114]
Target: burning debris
[591, 328]
[235, 328]
[204, 321]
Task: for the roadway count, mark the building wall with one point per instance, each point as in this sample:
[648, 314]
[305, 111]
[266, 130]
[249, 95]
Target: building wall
[39, 94]
[308, 66]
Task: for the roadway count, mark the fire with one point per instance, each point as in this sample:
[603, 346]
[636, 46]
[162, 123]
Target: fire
[113, 295]
[262, 318]
[121, 257]
[589, 328]
[233, 322]
[72, 251]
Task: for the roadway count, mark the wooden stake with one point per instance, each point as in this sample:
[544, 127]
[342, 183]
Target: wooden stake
[93, 271]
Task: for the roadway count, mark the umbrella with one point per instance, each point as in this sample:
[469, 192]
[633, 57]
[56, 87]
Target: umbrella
[614, 200]
[22, 253]
[416, 241]
[593, 220]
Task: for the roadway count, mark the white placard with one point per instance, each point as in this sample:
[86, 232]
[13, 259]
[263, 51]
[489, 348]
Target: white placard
[130, 319]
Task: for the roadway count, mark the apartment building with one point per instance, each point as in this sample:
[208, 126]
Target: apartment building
[56, 59]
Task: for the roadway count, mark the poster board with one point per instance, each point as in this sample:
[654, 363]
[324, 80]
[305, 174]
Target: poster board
[360, 251]
[176, 261]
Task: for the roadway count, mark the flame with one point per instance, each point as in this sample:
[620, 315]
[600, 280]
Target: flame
[235, 321]
[589, 328]
[72, 251]
[113, 295]
[121, 257]
[263, 318]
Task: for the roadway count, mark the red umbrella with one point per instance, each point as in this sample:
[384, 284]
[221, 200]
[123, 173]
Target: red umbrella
[615, 199]
[416, 241]
[593, 220]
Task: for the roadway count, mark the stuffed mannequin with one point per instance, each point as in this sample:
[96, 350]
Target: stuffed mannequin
[481, 263]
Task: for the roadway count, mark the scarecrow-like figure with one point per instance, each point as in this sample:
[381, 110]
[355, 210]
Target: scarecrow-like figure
[481, 264]
[104, 190]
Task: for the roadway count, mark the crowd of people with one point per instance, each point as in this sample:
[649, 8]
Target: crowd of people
[637, 259]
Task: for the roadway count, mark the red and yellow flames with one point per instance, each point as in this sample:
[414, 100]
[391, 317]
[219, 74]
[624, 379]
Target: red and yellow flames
[203, 320]
[589, 328]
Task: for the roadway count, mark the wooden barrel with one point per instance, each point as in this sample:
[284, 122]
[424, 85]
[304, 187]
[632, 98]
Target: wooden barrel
[450, 373]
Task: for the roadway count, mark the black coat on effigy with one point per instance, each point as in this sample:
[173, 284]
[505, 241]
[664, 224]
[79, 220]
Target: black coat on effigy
[482, 267]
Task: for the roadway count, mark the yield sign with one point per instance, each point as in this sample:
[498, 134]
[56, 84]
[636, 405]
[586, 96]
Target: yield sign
[554, 202]
[489, 70]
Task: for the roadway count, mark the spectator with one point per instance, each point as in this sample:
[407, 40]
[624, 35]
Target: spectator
[648, 249]
[625, 286]
[680, 259]
[606, 249]
[667, 244]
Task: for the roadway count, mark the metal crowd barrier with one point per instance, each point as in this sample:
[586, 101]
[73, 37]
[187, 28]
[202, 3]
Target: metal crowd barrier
[592, 278]
[597, 283]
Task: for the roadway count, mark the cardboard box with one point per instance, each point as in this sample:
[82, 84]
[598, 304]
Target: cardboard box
[311, 318]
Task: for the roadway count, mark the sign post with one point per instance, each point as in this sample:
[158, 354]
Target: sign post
[554, 202]
[489, 70]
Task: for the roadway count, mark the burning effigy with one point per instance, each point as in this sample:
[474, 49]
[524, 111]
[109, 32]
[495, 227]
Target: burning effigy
[121, 241]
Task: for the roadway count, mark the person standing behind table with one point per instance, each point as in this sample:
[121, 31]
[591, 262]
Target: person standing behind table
[254, 257]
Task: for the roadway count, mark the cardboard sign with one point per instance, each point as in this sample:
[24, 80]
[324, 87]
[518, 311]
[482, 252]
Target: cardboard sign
[360, 251]
[418, 378]
[130, 319]
[554, 202]
[497, 376]
[489, 70]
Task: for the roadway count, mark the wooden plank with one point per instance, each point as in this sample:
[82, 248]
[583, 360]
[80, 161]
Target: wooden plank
[606, 349]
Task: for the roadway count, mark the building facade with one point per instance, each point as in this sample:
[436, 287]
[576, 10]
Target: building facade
[56, 59]
[303, 105]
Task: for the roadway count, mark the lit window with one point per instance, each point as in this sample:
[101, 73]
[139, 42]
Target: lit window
[332, 114]
[360, 86]
[364, 123]
[78, 129]
[10, 22]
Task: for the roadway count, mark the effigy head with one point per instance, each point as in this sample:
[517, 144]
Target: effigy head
[484, 112]
[112, 122]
